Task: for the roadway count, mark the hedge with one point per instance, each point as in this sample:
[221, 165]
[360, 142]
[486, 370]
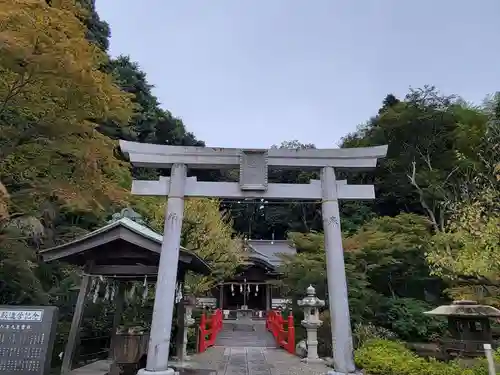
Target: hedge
[384, 357]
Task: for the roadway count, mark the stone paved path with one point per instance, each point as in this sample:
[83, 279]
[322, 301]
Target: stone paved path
[235, 335]
[247, 352]
[238, 352]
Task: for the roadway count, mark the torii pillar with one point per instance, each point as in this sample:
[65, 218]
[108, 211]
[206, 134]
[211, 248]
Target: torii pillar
[253, 183]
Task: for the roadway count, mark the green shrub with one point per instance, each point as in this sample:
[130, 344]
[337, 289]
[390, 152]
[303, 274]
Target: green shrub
[384, 357]
[406, 318]
[366, 332]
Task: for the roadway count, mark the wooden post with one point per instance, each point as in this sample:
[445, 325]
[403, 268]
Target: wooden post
[203, 326]
[117, 317]
[75, 326]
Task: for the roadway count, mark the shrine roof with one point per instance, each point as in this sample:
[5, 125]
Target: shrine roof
[270, 250]
[119, 239]
[465, 309]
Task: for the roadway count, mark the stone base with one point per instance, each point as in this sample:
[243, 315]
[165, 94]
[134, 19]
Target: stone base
[169, 371]
[191, 368]
[176, 359]
[333, 372]
[312, 360]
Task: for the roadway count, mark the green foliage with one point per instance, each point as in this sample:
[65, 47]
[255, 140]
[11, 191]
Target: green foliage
[308, 267]
[467, 253]
[391, 251]
[64, 102]
[405, 317]
[363, 333]
[60, 175]
[427, 133]
[19, 283]
[383, 357]
[50, 89]
[207, 231]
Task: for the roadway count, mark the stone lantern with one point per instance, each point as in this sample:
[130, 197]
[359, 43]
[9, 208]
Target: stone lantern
[189, 302]
[311, 322]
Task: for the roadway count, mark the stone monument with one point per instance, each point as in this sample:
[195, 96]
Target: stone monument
[27, 335]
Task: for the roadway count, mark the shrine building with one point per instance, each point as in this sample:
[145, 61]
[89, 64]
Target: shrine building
[254, 285]
[136, 247]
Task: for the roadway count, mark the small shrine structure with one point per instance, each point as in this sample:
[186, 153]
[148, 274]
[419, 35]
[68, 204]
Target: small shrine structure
[468, 328]
[254, 285]
[122, 251]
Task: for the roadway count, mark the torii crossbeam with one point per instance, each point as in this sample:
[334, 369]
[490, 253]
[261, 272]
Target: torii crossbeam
[253, 183]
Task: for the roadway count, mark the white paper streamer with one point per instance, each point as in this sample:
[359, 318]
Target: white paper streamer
[178, 292]
[107, 293]
[145, 290]
[113, 291]
[96, 292]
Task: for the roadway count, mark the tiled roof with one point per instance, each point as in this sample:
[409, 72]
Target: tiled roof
[269, 250]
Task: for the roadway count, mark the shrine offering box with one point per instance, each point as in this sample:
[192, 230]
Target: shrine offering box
[27, 335]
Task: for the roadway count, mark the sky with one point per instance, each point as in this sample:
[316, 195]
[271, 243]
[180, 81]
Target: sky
[252, 73]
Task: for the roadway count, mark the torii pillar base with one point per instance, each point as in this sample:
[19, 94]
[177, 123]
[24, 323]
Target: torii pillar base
[169, 371]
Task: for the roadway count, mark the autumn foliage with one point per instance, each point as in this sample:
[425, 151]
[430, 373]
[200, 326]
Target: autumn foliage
[51, 94]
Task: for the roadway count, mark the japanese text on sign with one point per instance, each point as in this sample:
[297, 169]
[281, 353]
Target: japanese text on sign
[21, 315]
[27, 336]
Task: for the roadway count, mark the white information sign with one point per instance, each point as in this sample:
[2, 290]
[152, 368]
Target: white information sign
[21, 315]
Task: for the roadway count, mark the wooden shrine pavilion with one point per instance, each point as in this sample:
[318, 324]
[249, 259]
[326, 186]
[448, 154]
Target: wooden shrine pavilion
[254, 285]
[123, 250]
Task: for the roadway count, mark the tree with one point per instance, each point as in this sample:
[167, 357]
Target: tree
[262, 219]
[423, 171]
[391, 251]
[19, 282]
[98, 31]
[308, 267]
[50, 91]
[208, 233]
[465, 253]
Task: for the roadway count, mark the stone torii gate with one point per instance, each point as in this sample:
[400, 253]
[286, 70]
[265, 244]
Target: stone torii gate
[253, 182]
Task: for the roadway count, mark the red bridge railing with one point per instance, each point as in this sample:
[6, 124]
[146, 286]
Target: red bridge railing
[209, 328]
[285, 338]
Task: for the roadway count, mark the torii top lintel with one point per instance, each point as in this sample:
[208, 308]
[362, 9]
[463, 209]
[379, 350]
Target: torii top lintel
[164, 156]
[253, 165]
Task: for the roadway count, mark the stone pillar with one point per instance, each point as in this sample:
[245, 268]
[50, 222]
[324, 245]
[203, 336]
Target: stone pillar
[161, 325]
[311, 323]
[343, 356]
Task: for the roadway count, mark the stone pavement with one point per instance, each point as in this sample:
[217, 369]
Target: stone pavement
[236, 335]
[237, 352]
[252, 353]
